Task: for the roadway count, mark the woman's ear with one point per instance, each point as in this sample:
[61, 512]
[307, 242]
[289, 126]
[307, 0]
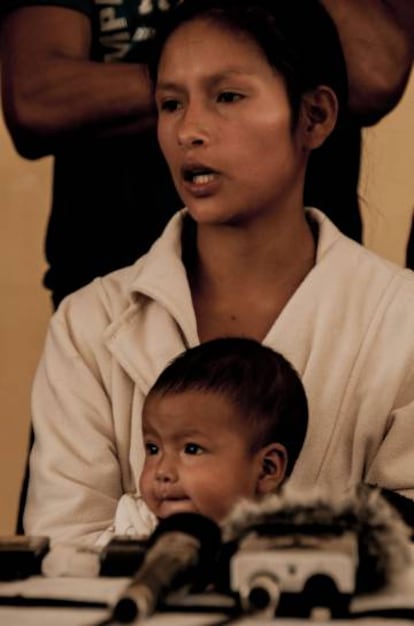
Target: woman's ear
[319, 114]
[273, 463]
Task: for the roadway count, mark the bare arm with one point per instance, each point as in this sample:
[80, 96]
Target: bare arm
[377, 44]
[51, 90]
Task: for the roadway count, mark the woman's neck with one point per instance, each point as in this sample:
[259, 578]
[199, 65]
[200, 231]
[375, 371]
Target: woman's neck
[243, 276]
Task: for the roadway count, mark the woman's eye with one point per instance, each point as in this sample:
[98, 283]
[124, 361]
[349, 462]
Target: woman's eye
[229, 97]
[192, 448]
[151, 449]
[169, 105]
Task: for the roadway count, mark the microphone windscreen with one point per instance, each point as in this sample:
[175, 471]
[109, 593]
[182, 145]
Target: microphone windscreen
[384, 548]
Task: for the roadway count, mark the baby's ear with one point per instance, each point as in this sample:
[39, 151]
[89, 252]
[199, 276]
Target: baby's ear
[319, 114]
[273, 458]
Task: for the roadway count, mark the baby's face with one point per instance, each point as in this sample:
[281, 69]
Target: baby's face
[198, 457]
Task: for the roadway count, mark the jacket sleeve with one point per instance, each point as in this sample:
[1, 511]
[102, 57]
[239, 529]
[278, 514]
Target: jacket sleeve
[75, 475]
[393, 465]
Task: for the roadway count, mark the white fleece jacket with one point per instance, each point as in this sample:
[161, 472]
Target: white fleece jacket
[348, 330]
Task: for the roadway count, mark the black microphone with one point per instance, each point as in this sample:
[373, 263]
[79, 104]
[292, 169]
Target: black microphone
[182, 549]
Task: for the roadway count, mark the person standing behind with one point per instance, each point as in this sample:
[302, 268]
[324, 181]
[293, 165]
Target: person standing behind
[377, 41]
[377, 37]
[75, 86]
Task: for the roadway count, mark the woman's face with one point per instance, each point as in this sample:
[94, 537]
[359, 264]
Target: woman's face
[225, 126]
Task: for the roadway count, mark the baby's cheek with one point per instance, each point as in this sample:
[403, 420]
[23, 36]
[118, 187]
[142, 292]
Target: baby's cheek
[216, 501]
[144, 482]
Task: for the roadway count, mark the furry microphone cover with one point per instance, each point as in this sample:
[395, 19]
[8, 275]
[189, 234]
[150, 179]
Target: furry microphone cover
[383, 538]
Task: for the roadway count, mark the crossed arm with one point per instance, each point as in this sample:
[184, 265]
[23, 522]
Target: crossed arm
[52, 90]
[377, 37]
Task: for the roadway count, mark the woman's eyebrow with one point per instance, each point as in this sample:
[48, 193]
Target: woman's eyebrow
[210, 79]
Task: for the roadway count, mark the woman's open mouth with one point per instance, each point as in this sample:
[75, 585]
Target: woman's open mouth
[200, 180]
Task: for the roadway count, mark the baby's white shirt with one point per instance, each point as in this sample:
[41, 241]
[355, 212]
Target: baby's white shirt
[132, 518]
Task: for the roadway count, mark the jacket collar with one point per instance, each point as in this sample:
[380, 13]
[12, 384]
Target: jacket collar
[160, 318]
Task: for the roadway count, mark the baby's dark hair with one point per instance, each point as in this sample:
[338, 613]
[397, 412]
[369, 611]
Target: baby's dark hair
[298, 38]
[260, 382]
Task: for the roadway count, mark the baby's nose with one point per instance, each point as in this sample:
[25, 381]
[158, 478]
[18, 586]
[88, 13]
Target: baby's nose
[166, 471]
[163, 477]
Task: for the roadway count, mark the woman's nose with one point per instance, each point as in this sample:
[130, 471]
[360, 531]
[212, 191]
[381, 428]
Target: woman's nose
[193, 129]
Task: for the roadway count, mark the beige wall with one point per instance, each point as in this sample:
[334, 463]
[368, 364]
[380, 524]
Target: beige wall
[387, 180]
[24, 308]
[387, 192]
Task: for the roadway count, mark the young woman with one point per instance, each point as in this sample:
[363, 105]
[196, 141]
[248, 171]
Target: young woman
[245, 90]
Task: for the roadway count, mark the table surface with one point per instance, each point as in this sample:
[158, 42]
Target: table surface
[108, 590]
[41, 616]
[33, 602]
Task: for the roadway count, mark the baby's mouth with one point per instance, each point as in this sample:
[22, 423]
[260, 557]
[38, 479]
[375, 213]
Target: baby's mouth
[172, 499]
[169, 495]
[168, 505]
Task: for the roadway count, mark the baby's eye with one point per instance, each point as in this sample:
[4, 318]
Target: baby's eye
[193, 448]
[151, 449]
[229, 97]
[169, 105]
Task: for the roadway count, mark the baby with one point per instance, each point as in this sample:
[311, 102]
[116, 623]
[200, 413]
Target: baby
[224, 421]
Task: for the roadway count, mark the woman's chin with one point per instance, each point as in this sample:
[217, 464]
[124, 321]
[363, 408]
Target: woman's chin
[213, 216]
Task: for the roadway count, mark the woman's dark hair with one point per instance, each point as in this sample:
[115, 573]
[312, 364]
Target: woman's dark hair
[298, 38]
[260, 382]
